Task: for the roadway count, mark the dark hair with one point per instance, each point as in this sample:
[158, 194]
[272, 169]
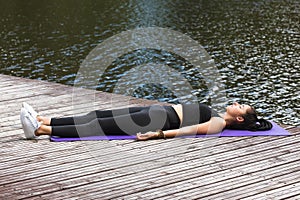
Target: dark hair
[251, 122]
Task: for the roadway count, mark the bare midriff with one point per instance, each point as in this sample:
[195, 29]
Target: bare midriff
[178, 109]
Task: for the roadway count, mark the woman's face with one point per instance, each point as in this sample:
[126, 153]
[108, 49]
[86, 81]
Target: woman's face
[237, 109]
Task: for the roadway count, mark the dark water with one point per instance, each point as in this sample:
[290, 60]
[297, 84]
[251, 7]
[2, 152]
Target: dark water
[255, 45]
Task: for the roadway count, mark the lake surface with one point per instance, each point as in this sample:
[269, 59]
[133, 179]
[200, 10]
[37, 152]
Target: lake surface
[254, 44]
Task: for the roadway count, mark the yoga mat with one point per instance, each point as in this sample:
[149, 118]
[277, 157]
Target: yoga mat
[275, 131]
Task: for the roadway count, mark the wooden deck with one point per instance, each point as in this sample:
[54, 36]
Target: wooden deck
[200, 168]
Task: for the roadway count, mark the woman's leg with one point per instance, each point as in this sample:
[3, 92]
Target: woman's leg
[89, 117]
[121, 123]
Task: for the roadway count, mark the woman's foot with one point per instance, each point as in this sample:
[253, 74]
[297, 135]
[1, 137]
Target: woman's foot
[43, 130]
[44, 120]
[29, 124]
[33, 113]
[29, 109]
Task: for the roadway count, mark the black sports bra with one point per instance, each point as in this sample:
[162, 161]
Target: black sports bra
[197, 114]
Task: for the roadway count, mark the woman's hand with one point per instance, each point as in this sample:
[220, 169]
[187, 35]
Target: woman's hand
[147, 136]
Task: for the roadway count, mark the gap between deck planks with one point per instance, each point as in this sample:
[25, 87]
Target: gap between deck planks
[199, 168]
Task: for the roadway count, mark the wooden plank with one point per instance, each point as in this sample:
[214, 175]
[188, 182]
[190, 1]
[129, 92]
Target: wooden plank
[183, 180]
[285, 191]
[226, 188]
[136, 172]
[109, 150]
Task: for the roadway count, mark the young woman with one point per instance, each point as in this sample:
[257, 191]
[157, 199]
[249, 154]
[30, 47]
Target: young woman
[151, 122]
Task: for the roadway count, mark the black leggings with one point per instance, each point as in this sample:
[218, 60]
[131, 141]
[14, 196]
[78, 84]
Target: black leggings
[126, 121]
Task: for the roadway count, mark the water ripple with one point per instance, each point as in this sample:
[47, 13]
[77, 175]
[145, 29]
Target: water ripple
[255, 45]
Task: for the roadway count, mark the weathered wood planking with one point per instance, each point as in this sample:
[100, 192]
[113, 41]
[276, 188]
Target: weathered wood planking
[198, 168]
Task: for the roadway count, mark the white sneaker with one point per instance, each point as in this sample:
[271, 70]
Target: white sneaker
[29, 109]
[29, 124]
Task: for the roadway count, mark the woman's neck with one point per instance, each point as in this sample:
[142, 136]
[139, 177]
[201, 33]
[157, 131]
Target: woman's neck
[228, 118]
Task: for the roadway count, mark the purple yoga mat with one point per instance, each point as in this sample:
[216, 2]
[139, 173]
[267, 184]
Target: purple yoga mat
[275, 131]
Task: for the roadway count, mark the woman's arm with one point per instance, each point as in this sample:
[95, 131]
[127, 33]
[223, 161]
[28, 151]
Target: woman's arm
[214, 125]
